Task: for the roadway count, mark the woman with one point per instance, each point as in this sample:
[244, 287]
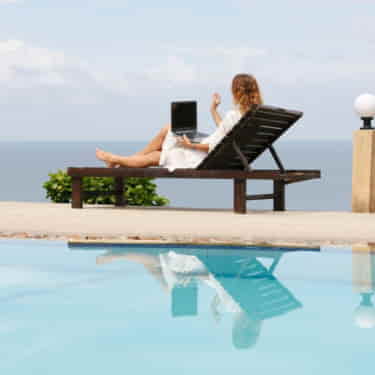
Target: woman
[173, 152]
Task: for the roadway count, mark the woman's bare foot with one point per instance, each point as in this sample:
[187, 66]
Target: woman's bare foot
[106, 157]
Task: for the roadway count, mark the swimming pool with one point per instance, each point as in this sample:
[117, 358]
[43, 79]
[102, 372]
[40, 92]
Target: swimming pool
[162, 310]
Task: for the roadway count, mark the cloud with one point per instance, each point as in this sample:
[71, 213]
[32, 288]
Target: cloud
[328, 64]
[327, 61]
[202, 65]
[24, 66]
[96, 3]
[81, 93]
[220, 51]
[173, 71]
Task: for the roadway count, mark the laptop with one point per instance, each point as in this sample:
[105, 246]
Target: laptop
[185, 300]
[184, 120]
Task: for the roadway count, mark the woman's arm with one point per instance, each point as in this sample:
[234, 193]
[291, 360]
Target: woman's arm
[216, 116]
[216, 100]
[200, 146]
[185, 142]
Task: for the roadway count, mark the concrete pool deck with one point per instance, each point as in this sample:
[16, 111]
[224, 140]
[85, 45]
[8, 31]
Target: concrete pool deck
[106, 223]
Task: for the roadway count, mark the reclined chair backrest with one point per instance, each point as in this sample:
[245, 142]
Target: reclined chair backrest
[257, 130]
[251, 285]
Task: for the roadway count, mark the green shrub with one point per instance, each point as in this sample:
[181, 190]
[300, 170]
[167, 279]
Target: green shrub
[138, 192]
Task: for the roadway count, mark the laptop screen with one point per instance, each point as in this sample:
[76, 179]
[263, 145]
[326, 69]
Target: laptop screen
[185, 300]
[184, 116]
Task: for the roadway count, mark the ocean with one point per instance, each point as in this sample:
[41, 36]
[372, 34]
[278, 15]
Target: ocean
[26, 166]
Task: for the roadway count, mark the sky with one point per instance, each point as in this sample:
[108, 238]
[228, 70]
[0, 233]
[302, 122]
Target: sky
[84, 70]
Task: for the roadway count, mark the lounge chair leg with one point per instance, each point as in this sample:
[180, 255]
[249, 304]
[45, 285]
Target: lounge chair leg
[279, 192]
[239, 197]
[77, 192]
[119, 191]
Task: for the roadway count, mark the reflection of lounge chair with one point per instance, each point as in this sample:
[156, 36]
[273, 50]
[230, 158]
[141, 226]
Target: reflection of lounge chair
[116, 249]
[243, 285]
[255, 133]
[251, 285]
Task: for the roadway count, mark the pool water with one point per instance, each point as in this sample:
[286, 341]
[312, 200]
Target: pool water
[167, 310]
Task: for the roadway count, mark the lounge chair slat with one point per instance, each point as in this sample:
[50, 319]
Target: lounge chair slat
[265, 134]
[268, 121]
[252, 146]
[272, 128]
[261, 141]
[277, 114]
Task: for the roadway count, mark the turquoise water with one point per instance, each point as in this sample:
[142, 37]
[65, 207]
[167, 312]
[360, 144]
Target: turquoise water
[134, 310]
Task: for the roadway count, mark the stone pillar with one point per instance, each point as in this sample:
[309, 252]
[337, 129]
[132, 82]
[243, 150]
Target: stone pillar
[363, 183]
[364, 284]
[363, 263]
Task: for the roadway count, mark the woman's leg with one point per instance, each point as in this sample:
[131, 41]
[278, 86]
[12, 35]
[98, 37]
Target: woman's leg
[154, 146]
[135, 161]
[156, 143]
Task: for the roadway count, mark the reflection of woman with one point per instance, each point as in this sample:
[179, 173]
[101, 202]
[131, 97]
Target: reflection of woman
[149, 261]
[245, 330]
[182, 269]
[178, 152]
[178, 271]
[170, 269]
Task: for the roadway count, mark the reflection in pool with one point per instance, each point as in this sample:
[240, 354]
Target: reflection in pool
[364, 284]
[189, 310]
[242, 285]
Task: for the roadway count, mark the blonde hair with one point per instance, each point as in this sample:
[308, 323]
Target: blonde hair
[246, 92]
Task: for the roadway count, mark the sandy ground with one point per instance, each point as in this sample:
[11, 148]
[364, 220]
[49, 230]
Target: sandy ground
[59, 221]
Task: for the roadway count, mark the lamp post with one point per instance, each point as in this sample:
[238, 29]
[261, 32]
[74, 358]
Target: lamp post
[364, 315]
[365, 107]
[363, 183]
[363, 278]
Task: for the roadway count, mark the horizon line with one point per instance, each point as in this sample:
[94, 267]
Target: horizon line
[144, 140]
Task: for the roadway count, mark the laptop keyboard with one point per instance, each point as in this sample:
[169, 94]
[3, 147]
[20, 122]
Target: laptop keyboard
[194, 136]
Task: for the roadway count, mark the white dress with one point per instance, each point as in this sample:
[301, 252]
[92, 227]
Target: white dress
[181, 269]
[174, 156]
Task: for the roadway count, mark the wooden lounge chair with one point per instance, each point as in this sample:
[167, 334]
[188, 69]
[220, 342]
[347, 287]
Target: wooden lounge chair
[255, 133]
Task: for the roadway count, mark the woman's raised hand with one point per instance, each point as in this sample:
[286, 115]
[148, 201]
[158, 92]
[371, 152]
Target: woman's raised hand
[216, 100]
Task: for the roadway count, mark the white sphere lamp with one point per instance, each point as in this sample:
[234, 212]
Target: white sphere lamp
[364, 315]
[365, 107]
